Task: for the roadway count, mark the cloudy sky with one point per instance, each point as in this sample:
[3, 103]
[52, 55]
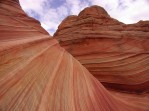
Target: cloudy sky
[51, 12]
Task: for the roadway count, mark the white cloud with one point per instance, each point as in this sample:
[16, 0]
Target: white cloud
[75, 6]
[49, 17]
[36, 5]
[127, 11]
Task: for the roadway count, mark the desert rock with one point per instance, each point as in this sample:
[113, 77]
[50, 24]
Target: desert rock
[115, 53]
[36, 74]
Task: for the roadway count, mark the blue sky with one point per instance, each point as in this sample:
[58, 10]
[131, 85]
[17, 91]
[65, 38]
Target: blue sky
[51, 12]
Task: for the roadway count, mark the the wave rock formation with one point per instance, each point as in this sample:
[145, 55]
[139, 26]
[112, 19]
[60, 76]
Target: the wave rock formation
[115, 53]
[36, 74]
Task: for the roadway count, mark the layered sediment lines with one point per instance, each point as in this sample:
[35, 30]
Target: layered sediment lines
[36, 74]
[115, 53]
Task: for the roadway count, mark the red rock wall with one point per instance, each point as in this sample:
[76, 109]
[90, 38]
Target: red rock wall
[115, 53]
[37, 74]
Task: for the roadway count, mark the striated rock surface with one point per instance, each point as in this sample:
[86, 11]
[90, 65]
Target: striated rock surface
[115, 53]
[36, 74]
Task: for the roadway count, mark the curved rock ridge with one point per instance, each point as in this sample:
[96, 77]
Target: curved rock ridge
[16, 21]
[95, 11]
[36, 74]
[115, 53]
[87, 22]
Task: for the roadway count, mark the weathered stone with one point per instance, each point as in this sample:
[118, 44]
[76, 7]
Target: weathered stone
[37, 74]
[115, 53]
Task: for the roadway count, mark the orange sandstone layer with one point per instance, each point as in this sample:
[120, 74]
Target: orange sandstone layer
[115, 53]
[36, 74]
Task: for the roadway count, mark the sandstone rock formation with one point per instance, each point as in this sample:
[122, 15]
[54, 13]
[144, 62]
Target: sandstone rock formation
[36, 74]
[115, 53]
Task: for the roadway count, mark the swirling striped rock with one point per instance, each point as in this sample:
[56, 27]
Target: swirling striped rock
[36, 74]
[115, 53]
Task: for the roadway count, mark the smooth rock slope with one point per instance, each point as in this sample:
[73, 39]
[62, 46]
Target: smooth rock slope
[36, 74]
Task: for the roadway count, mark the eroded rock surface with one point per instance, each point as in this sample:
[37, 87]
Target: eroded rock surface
[36, 74]
[115, 53]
